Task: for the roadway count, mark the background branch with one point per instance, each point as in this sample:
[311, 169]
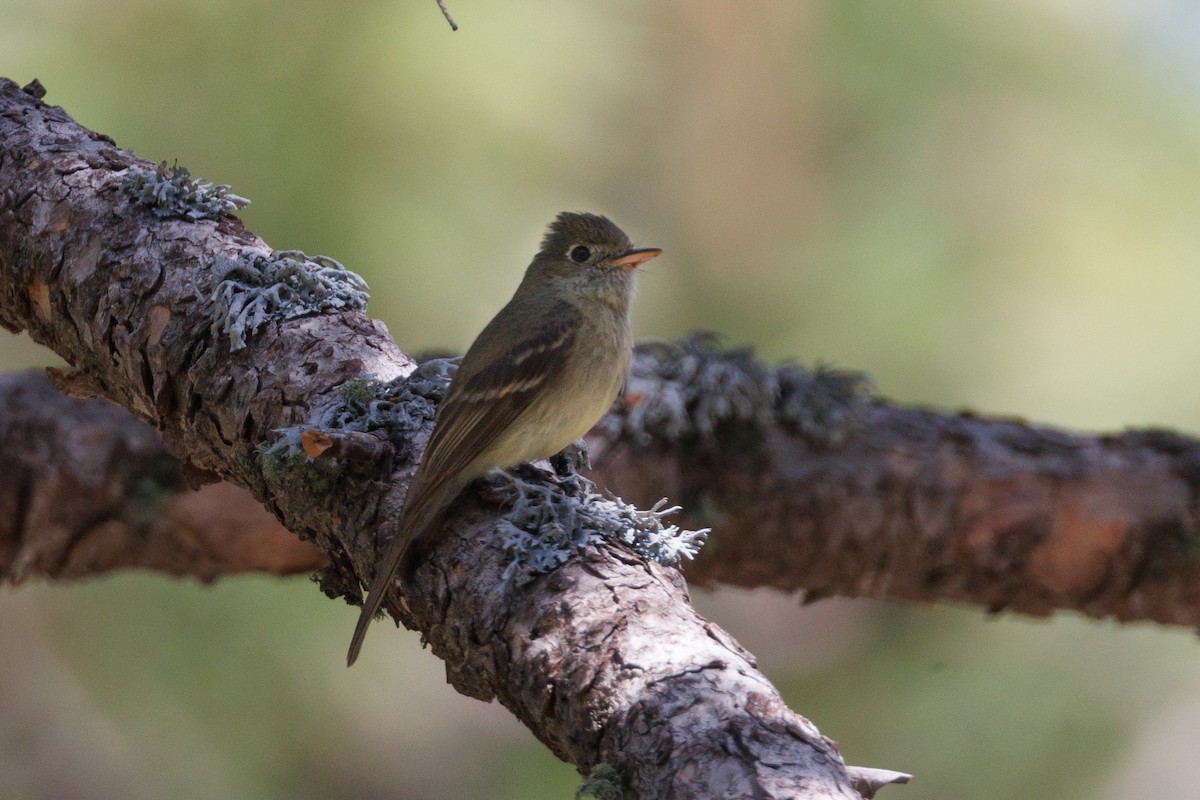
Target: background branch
[88, 489]
[935, 507]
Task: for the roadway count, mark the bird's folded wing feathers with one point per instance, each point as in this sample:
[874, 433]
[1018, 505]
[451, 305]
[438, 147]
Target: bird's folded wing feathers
[477, 411]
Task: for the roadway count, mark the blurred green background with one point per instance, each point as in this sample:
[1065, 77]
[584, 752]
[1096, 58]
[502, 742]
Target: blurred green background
[993, 205]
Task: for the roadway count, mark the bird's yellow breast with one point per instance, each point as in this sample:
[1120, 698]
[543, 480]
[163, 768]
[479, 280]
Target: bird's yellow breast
[581, 395]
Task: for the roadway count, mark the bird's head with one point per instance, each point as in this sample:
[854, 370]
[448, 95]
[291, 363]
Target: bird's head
[589, 254]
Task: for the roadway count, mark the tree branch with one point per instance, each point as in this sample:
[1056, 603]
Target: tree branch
[924, 506]
[912, 505]
[161, 315]
[88, 489]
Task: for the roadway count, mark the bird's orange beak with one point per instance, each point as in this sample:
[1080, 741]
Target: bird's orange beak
[636, 257]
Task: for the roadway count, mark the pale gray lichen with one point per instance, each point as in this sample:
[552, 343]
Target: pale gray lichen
[399, 407]
[255, 289]
[544, 526]
[686, 389]
[824, 405]
[692, 390]
[173, 192]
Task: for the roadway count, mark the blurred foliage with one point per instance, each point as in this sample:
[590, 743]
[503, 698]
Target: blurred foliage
[990, 204]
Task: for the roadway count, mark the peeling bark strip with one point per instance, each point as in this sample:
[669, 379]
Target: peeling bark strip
[604, 659]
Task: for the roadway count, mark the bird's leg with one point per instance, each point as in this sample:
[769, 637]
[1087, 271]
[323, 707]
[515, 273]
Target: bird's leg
[565, 474]
[529, 472]
[572, 459]
[567, 465]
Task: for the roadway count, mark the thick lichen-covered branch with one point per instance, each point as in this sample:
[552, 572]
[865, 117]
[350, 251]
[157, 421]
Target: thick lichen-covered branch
[603, 658]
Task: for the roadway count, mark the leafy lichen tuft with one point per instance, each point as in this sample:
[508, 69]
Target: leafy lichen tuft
[358, 391]
[824, 405]
[255, 289]
[544, 526]
[685, 390]
[693, 390]
[173, 192]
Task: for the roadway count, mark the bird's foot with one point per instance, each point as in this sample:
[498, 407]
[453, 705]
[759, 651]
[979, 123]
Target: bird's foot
[572, 459]
[567, 466]
[530, 472]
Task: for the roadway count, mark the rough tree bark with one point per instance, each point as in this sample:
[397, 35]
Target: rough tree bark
[934, 507]
[603, 659]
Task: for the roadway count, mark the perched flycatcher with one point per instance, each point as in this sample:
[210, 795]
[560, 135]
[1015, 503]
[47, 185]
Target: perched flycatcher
[538, 377]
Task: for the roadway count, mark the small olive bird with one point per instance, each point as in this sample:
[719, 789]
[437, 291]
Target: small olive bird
[538, 377]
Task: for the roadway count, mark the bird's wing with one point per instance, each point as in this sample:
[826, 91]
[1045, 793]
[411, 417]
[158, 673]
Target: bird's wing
[478, 410]
[475, 412]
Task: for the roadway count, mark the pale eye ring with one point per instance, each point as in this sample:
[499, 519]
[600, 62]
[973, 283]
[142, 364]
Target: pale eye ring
[579, 254]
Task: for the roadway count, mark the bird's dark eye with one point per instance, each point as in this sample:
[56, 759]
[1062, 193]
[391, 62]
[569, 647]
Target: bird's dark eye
[579, 254]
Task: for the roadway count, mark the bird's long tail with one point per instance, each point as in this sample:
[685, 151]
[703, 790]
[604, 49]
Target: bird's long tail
[424, 507]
